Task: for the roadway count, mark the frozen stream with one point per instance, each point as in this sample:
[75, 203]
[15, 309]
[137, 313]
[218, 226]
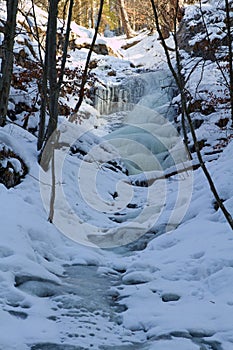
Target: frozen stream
[84, 308]
[86, 314]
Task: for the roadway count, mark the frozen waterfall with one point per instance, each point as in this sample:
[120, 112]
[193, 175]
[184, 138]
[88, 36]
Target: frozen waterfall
[147, 139]
[117, 96]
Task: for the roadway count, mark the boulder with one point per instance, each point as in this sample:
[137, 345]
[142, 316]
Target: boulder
[12, 168]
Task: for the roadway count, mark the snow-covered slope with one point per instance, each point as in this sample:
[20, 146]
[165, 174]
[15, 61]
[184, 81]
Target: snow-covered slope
[174, 293]
[179, 289]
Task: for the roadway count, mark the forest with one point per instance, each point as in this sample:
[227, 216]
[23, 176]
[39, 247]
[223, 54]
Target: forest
[116, 202]
[116, 16]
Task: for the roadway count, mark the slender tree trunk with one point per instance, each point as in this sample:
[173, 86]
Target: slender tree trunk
[7, 58]
[179, 74]
[86, 12]
[125, 20]
[230, 46]
[50, 75]
[66, 43]
[85, 73]
[78, 9]
[44, 97]
[43, 106]
[53, 185]
[134, 15]
[92, 13]
[52, 68]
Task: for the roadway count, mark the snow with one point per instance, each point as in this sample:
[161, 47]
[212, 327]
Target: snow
[57, 280]
[80, 31]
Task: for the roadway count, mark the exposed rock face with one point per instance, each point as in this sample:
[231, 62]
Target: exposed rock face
[99, 48]
[201, 48]
[195, 34]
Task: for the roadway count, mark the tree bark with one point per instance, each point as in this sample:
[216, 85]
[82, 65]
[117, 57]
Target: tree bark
[7, 58]
[92, 14]
[85, 73]
[125, 20]
[43, 93]
[230, 46]
[52, 68]
[50, 95]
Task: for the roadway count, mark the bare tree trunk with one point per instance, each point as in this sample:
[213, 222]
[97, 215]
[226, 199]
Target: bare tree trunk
[86, 12]
[7, 58]
[50, 74]
[179, 72]
[43, 93]
[78, 7]
[230, 46]
[52, 67]
[125, 20]
[134, 15]
[92, 13]
[66, 43]
[53, 185]
[181, 86]
[85, 73]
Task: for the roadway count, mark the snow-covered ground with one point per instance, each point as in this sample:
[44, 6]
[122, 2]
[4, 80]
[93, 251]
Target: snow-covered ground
[75, 284]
